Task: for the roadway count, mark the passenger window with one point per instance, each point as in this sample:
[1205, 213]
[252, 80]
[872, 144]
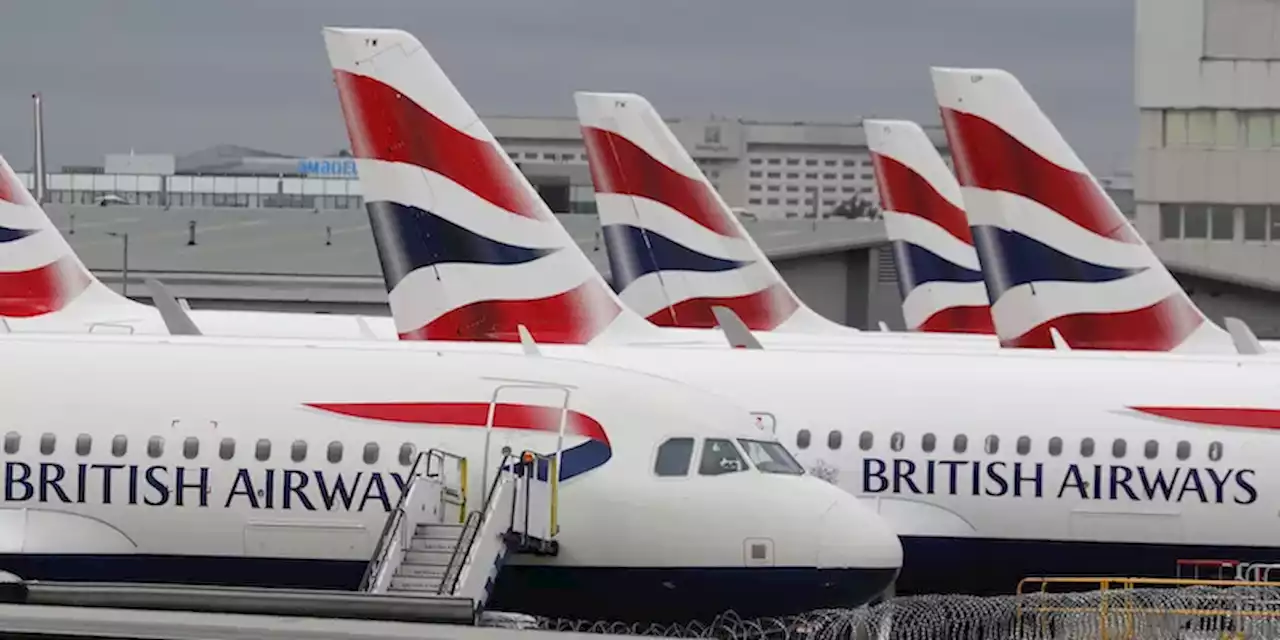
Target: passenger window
[802, 439]
[227, 449]
[928, 442]
[119, 446]
[1118, 448]
[371, 453]
[1151, 449]
[834, 440]
[155, 446]
[1184, 450]
[961, 443]
[406, 454]
[47, 444]
[674, 457]
[1215, 451]
[1024, 445]
[720, 456]
[263, 449]
[190, 447]
[992, 445]
[1086, 447]
[11, 442]
[1055, 446]
[866, 440]
[335, 452]
[298, 452]
[84, 442]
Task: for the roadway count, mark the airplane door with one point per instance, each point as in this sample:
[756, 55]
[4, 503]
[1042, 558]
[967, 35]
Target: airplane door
[523, 417]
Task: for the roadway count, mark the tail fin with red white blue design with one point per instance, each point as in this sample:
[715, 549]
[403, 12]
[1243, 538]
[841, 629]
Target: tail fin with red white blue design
[1055, 250]
[938, 270]
[43, 284]
[469, 250]
[676, 250]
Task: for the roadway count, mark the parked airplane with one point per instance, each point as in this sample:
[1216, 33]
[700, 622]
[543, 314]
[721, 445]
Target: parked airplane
[275, 463]
[1055, 250]
[932, 498]
[939, 275]
[467, 246]
[44, 287]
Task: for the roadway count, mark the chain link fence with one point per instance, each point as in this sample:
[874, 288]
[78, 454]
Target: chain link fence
[1127, 613]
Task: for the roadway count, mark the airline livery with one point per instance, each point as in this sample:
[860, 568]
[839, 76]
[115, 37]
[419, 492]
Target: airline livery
[1055, 250]
[954, 456]
[939, 275]
[276, 464]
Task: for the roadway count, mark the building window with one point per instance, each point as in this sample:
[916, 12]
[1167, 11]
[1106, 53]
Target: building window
[811, 176]
[1195, 221]
[774, 174]
[830, 163]
[753, 201]
[755, 161]
[1255, 222]
[774, 161]
[793, 161]
[1170, 222]
[792, 176]
[1258, 130]
[811, 162]
[754, 174]
[828, 176]
[1222, 221]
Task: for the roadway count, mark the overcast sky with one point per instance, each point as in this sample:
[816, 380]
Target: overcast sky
[176, 76]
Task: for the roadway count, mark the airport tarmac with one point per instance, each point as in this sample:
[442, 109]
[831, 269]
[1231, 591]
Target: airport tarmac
[98, 622]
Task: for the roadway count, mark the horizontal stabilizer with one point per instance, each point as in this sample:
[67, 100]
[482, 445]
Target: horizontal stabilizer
[1245, 340]
[174, 316]
[735, 330]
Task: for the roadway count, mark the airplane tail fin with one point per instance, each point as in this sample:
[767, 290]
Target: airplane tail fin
[1056, 252]
[675, 248]
[469, 250]
[938, 270]
[41, 278]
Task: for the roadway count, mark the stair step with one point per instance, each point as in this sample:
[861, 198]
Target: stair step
[439, 545]
[433, 530]
[407, 583]
[416, 570]
[426, 558]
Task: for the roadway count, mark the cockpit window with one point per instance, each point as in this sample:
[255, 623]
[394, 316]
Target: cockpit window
[720, 456]
[771, 457]
[674, 457]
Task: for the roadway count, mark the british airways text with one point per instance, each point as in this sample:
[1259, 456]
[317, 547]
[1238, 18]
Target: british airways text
[161, 485]
[1085, 482]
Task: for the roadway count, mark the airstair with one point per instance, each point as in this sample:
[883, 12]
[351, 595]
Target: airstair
[438, 546]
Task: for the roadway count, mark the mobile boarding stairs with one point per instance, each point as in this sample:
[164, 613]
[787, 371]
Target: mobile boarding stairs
[436, 560]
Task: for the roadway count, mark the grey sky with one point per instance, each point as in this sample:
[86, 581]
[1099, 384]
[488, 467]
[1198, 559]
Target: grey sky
[177, 75]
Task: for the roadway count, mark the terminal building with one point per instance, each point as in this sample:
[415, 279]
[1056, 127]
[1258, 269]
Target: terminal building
[234, 227]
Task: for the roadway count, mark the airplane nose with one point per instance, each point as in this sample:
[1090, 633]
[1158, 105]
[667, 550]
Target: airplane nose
[852, 536]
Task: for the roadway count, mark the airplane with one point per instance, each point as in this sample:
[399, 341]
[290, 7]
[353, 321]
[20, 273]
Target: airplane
[917, 394]
[466, 243]
[939, 275]
[44, 287]
[275, 463]
[1055, 250]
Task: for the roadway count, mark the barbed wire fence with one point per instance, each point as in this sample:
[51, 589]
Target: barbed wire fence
[1185, 613]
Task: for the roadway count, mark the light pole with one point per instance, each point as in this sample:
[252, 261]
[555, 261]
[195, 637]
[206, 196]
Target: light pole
[124, 262]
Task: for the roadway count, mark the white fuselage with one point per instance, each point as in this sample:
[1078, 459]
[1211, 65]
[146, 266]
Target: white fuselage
[217, 452]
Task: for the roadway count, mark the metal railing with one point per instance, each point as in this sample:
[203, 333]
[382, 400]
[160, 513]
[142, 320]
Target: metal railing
[391, 528]
[531, 463]
[437, 454]
[470, 530]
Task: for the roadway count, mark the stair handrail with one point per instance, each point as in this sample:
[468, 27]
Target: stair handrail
[462, 471]
[467, 539]
[384, 547]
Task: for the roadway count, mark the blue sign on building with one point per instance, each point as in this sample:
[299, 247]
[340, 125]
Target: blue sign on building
[327, 167]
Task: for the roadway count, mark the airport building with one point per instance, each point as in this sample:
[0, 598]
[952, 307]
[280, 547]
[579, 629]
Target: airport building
[1205, 188]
